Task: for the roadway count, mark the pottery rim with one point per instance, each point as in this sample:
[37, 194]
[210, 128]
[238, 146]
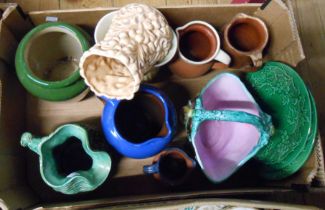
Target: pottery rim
[294, 166]
[238, 18]
[304, 126]
[52, 27]
[107, 19]
[85, 146]
[136, 78]
[190, 163]
[131, 149]
[217, 37]
[165, 125]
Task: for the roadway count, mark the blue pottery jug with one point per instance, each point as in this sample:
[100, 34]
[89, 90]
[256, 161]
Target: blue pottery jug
[140, 127]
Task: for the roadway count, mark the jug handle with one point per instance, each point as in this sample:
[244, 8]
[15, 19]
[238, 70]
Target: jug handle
[27, 140]
[257, 59]
[108, 100]
[151, 169]
[223, 57]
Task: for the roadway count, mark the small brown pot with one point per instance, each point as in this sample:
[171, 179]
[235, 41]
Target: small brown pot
[171, 166]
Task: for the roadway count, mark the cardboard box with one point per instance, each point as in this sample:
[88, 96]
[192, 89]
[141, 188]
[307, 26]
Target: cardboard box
[20, 183]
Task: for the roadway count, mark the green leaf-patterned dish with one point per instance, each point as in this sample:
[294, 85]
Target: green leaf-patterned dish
[293, 167]
[282, 93]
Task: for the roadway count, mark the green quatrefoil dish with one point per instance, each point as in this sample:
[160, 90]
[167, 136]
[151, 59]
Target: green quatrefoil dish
[283, 94]
[303, 156]
[71, 182]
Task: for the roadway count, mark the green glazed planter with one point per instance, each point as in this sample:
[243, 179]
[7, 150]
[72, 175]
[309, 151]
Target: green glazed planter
[47, 61]
[58, 151]
[282, 93]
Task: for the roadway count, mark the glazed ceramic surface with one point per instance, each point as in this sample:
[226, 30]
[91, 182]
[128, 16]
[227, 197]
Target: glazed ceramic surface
[102, 26]
[296, 164]
[284, 95]
[139, 37]
[199, 46]
[187, 70]
[140, 127]
[171, 166]
[65, 166]
[245, 38]
[226, 127]
[105, 22]
[47, 61]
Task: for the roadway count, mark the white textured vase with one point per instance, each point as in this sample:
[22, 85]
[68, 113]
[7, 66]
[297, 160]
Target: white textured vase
[138, 38]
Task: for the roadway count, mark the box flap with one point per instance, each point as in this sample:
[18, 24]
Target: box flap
[16, 21]
[13, 27]
[287, 47]
[8, 44]
[88, 18]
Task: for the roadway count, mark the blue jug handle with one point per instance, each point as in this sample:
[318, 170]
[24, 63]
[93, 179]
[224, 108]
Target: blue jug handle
[151, 169]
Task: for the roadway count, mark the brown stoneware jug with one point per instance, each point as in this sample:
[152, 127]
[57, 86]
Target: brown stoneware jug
[245, 38]
[199, 48]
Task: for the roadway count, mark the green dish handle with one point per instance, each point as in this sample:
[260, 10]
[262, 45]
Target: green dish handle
[27, 140]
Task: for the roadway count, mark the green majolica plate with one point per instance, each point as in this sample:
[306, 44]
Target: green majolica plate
[271, 174]
[282, 93]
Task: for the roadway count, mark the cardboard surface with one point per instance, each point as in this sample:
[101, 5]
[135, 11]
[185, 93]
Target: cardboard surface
[41, 117]
[8, 44]
[13, 185]
[13, 26]
[285, 43]
[277, 16]
[212, 203]
[193, 204]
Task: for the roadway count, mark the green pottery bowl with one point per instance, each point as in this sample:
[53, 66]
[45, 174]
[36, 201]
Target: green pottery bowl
[67, 163]
[47, 61]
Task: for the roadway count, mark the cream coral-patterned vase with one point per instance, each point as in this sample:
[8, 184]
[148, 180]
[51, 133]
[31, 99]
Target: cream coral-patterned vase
[138, 38]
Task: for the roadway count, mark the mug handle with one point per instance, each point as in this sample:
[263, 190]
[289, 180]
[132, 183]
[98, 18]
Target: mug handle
[151, 169]
[223, 57]
[257, 59]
